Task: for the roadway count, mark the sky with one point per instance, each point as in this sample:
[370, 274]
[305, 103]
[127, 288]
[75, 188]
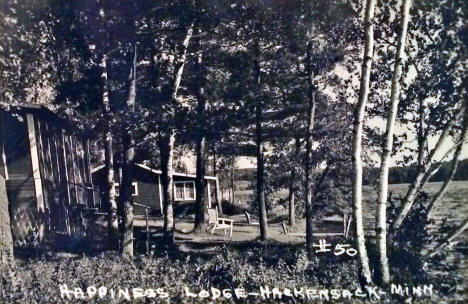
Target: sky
[250, 162]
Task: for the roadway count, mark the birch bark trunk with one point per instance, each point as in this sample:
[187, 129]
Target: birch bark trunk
[449, 239]
[422, 175]
[167, 141]
[357, 142]
[166, 147]
[109, 195]
[381, 221]
[109, 191]
[453, 169]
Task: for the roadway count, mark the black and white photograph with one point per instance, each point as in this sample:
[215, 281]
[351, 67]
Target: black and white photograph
[250, 151]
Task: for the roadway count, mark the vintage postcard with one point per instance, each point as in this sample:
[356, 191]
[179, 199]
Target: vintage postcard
[252, 151]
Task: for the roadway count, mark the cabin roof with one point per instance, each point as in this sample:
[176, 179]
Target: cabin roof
[159, 172]
[44, 112]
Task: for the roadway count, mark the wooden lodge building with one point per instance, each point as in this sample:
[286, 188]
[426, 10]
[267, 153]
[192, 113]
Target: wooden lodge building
[46, 165]
[147, 189]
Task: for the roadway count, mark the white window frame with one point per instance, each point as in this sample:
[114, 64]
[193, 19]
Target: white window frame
[185, 198]
[134, 187]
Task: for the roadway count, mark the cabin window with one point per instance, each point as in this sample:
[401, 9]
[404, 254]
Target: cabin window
[134, 189]
[184, 191]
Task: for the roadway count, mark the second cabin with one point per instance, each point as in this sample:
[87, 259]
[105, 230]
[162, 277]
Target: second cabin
[147, 189]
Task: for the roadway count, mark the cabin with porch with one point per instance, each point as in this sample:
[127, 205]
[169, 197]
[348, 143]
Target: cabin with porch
[46, 164]
[147, 189]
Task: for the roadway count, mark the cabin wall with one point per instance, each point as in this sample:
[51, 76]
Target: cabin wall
[147, 185]
[44, 165]
[60, 187]
[20, 182]
[208, 200]
[149, 191]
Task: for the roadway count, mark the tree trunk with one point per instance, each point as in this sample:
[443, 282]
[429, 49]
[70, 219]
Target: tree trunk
[453, 170]
[128, 143]
[233, 178]
[167, 141]
[166, 147]
[181, 62]
[109, 191]
[201, 213]
[6, 240]
[262, 214]
[215, 173]
[292, 207]
[357, 143]
[381, 221]
[422, 175]
[449, 238]
[308, 152]
[292, 185]
[422, 143]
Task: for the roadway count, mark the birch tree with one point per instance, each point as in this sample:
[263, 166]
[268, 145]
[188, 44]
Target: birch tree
[381, 217]
[109, 194]
[435, 97]
[167, 139]
[125, 206]
[424, 173]
[357, 140]
[109, 191]
[453, 168]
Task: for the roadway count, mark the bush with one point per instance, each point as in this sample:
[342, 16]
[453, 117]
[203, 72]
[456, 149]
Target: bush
[247, 266]
[408, 247]
[231, 209]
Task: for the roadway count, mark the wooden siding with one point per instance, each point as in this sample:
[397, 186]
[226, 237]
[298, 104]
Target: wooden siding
[36, 170]
[149, 188]
[148, 191]
[20, 183]
[44, 161]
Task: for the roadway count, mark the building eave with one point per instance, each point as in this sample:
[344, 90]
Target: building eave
[159, 172]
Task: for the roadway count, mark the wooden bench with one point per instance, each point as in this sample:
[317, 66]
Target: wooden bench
[345, 221]
[215, 222]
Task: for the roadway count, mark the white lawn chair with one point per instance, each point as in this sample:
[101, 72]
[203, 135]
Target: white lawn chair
[216, 222]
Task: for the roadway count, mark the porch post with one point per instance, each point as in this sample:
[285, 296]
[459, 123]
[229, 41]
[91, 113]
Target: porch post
[209, 192]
